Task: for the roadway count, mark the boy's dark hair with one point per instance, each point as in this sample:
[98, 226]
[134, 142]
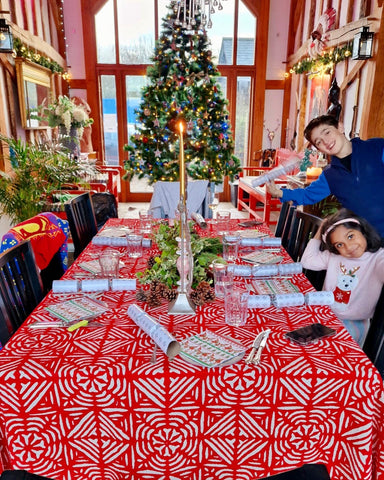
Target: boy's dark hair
[317, 121]
[369, 232]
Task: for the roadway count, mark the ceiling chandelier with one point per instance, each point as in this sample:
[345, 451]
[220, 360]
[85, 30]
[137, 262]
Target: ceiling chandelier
[187, 11]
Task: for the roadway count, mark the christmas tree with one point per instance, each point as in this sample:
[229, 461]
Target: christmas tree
[182, 87]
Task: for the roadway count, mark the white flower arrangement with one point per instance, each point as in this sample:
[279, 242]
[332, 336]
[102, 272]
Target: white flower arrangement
[64, 112]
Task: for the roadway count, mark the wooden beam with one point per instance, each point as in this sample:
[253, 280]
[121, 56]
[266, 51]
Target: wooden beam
[350, 78]
[338, 37]
[274, 84]
[32, 41]
[372, 120]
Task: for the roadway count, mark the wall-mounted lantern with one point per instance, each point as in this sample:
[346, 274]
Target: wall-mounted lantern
[6, 39]
[362, 45]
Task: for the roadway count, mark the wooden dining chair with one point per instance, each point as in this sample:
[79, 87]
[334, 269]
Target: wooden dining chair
[374, 341]
[21, 475]
[310, 471]
[82, 221]
[284, 222]
[304, 227]
[21, 288]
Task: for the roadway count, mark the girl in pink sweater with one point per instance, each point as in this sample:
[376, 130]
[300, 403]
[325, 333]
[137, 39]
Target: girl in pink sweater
[348, 247]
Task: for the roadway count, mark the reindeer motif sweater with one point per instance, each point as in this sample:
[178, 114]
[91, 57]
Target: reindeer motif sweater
[355, 282]
[360, 189]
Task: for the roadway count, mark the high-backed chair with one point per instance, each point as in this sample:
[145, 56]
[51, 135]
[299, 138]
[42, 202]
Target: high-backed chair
[21, 475]
[284, 222]
[82, 221]
[48, 235]
[21, 288]
[304, 227]
[311, 471]
[374, 341]
[104, 206]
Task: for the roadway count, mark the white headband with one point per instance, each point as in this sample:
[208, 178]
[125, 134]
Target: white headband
[340, 222]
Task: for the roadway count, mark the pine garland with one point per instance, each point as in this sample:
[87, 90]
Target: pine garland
[324, 62]
[24, 51]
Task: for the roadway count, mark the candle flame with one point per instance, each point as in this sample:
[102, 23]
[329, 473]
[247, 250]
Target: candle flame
[181, 127]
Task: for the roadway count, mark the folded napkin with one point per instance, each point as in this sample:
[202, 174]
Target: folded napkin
[290, 268]
[259, 301]
[319, 298]
[288, 300]
[100, 284]
[123, 284]
[92, 266]
[159, 334]
[65, 286]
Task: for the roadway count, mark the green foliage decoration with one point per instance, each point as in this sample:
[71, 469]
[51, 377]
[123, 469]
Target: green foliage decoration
[22, 50]
[323, 63]
[182, 88]
[204, 250]
[37, 171]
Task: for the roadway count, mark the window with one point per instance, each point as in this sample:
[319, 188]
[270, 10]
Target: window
[126, 31]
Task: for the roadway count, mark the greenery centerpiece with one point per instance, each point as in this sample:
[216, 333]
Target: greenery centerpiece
[183, 83]
[162, 274]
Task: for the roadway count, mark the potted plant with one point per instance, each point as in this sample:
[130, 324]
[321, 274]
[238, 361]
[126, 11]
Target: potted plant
[37, 171]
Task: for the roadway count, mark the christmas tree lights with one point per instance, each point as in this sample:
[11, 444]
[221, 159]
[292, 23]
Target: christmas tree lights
[182, 85]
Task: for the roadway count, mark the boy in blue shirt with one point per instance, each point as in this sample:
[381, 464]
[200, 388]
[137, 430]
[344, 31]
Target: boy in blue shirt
[355, 175]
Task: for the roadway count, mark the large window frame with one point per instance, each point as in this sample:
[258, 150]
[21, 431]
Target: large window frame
[231, 72]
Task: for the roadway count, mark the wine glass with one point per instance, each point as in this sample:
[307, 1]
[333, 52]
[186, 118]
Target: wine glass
[213, 205]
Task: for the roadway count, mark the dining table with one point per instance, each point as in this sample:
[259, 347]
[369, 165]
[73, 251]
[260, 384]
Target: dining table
[93, 404]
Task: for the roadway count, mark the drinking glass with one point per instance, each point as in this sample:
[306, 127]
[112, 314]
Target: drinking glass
[221, 277]
[236, 305]
[134, 245]
[222, 219]
[213, 205]
[109, 260]
[146, 218]
[231, 247]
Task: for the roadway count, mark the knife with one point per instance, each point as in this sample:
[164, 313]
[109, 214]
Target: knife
[256, 359]
[255, 346]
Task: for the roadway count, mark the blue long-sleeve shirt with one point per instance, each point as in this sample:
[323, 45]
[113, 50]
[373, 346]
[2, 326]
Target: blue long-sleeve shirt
[360, 190]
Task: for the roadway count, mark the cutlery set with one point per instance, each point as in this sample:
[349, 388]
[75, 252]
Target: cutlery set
[257, 347]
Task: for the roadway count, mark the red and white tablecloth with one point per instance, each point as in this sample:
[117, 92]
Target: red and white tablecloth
[89, 405]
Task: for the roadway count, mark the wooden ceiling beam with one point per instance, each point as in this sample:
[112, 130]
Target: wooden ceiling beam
[338, 37]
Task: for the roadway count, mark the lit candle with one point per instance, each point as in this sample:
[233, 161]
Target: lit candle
[314, 172]
[182, 165]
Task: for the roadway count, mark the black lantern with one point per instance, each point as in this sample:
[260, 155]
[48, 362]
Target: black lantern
[6, 40]
[362, 45]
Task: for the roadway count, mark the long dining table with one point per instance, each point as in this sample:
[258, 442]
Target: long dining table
[89, 404]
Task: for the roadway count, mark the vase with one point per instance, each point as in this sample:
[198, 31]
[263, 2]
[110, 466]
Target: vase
[70, 141]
